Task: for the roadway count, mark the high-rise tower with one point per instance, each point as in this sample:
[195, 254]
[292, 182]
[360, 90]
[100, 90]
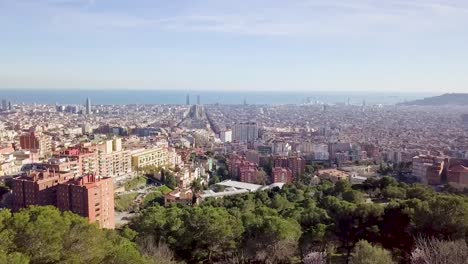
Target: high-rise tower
[4, 104]
[88, 106]
[187, 99]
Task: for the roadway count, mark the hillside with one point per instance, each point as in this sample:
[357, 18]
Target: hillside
[445, 99]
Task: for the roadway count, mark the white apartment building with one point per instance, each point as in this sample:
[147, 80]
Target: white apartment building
[245, 132]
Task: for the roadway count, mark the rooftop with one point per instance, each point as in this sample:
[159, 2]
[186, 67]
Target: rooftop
[240, 185]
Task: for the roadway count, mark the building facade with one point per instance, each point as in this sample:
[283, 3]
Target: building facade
[427, 168]
[37, 187]
[87, 160]
[89, 197]
[249, 174]
[245, 132]
[156, 156]
[225, 136]
[295, 164]
[36, 142]
[282, 175]
[113, 160]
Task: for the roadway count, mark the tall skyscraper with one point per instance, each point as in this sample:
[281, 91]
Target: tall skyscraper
[198, 99]
[4, 105]
[88, 106]
[187, 99]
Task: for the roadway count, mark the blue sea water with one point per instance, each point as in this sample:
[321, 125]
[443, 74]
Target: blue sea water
[67, 96]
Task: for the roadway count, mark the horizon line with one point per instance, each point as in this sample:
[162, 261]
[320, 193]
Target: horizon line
[230, 91]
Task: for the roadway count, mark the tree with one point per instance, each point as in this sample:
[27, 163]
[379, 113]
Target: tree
[169, 180]
[418, 191]
[280, 203]
[261, 177]
[313, 239]
[309, 169]
[395, 231]
[439, 251]
[393, 192]
[387, 181]
[197, 234]
[353, 222]
[222, 172]
[268, 167]
[214, 179]
[39, 232]
[443, 217]
[285, 225]
[213, 232]
[315, 258]
[156, 253]
[271, 239]
[366, 253]
[341, 187]
[13, 258]
[196, 186]
[353, 196]
[46, 235]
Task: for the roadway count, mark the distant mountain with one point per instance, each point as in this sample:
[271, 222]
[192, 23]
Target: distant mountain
[445, 99]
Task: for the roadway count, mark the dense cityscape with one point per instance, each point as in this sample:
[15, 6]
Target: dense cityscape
[311, 182]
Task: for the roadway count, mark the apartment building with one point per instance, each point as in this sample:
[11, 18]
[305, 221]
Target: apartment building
[87, 160]
[156, 156]
[295, 164]
[36, 142]
[90, 197]
[113, 160]
[38, 187]
[283, 175]
[245, 132]
[427, 169]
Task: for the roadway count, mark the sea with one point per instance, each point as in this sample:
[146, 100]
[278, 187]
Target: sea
[126, 97]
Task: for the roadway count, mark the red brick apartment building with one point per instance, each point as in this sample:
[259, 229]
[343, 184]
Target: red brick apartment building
[89, 196]
[36, 142]
[295, 164]
[282, 175]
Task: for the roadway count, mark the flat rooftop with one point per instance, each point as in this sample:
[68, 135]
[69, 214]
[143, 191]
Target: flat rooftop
[240, 185]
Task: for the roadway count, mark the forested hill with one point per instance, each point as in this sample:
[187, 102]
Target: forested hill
[445, 99]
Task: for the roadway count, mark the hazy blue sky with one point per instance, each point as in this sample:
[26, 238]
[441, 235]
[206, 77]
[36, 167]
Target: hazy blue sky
[305, 45]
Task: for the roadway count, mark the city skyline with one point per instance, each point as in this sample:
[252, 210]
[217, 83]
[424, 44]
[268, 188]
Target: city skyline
[390, 46]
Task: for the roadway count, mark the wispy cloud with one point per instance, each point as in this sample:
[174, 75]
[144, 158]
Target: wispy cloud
[258, 17]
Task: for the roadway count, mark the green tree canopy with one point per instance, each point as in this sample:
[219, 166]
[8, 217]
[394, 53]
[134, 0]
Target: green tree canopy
[46, 235]
[366, 253]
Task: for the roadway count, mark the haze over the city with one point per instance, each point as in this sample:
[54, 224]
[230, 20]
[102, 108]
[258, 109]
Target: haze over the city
[221, 132]
[302, 45]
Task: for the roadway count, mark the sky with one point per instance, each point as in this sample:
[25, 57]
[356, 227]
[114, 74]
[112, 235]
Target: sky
[228, 45]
